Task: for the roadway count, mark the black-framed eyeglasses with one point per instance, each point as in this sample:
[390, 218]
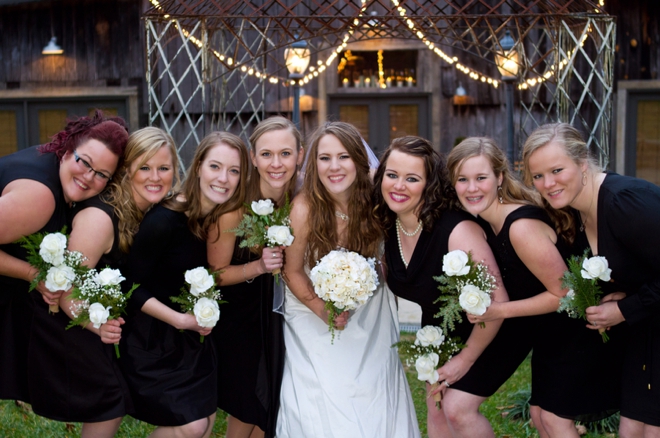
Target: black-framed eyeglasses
[100, 175]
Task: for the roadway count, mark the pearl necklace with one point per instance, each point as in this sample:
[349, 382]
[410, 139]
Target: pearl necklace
[341, 215]
[414, 233]
[398, 239]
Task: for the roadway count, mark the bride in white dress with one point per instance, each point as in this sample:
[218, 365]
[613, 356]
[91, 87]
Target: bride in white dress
[355, 387]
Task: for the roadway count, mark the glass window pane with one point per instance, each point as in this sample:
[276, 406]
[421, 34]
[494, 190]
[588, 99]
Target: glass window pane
[8, 139]
[403, 120]
[648, 141]
[358, 116]
[50, 123]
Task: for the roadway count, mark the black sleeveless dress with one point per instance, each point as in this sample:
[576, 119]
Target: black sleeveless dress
[73, 375]
[16, 305]
[171, 374]
[628, 236]
[416, 283]
[250, 342]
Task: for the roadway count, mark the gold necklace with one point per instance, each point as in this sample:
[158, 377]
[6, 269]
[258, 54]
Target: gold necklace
[583, 223]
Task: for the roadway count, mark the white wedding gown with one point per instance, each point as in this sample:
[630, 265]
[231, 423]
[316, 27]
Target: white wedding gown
[353, 388]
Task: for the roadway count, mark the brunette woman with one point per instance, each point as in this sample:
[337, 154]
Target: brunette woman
[416, 207]
[171, 374]
[249, 334]
[37, 186]
[617, 217]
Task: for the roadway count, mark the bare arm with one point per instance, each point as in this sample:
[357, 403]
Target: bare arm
[220, 248]
[178, 320]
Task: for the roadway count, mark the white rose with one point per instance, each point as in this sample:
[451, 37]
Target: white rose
[52, 248]
[473, 300]
[596, 267]
[98, 314]
[263, 207]
[430, 335]
[206, 312]
[279, 235]
[455, 263]
[199, 280]
[60, 278]
[109, 277]
[426, 367]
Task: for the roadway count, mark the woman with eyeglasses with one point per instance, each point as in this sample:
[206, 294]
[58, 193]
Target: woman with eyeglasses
[78, 366]
[38, 185]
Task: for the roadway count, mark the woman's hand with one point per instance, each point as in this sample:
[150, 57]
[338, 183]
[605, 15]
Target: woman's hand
[187, 321]
[341, 320]
[493, 312]
[614, 296]
[51, 298]
[110, 332]
[454, 370]
[272, 258]
[604, 316]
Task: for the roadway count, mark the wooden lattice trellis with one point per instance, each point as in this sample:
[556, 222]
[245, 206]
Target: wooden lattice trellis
[212, 63]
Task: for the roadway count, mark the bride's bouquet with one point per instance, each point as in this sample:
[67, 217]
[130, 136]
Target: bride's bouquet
[344, 280]
[58, 267]
[582, 281]
[202, 299]
[430, 351]
[98, 298]
[266, 225]
[466, 285]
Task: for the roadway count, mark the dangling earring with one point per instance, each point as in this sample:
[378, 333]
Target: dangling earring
[584, 178]
[499, 194]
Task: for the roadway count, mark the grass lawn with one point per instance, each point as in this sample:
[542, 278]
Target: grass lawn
[19, 421]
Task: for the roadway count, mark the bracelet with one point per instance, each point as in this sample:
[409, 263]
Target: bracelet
[245, 276]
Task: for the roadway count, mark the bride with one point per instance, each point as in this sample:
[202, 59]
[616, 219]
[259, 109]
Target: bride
[355, 387]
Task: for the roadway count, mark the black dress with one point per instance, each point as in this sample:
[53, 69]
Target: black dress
[16, 305]
[171, 374]
[73, 375]
[629, 237]
[574, 374]
[249, 336]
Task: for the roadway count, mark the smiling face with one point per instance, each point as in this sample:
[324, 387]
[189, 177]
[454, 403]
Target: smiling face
[555, 175]
[336, 169]
[79, 181]
[151, 181]
[219, 175]
[476, 184]
[276, 156]
[403, 183]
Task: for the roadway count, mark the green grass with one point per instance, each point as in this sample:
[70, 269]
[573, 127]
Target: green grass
[20, 421]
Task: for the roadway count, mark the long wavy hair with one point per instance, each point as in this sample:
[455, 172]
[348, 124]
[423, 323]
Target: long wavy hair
[198, 223]
[275, 123]
[513, 190]
[364, 235]
[438, 194]
[111, 131]
[576, 149]
[141, 146]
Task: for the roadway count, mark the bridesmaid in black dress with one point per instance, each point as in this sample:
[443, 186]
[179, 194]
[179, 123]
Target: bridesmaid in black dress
[415, 205]
[620, 217]
[570, 363]
[37, 185]
[72, 367]
[249, 332]
[171, 374]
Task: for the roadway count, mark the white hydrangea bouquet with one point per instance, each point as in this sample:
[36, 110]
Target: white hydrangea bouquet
[266, 225]
[202, 299]
[582, 281]
[466, 285]
[58, 267]
[98, 298]
[430, 351]
[345, 280]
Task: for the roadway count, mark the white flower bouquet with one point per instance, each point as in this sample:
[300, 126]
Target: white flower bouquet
[98, 298]
[466, 285]
[266, 225]
[58, 267]
[430, 351]
[202, 299]
[582, 281]
[344, 280]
